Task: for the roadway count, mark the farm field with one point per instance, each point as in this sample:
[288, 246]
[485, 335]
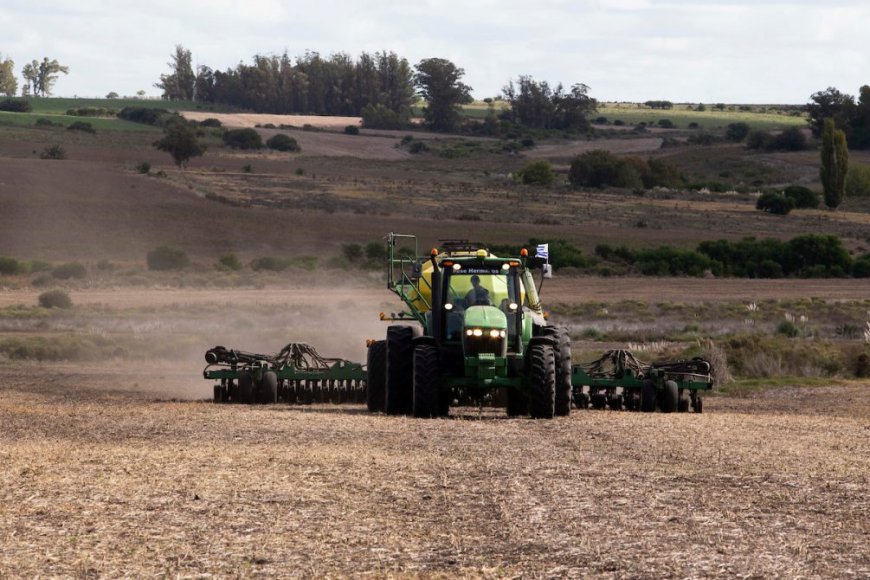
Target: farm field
[113, 462]
[102, 479]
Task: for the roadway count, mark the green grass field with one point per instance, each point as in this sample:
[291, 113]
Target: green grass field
[98, 123]
[59, 106]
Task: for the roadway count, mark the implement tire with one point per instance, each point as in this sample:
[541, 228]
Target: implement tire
[267, 391]
[542, 381]
[427, 372]
[399, 397]
[376, 376]
[648, 396]
[670, 398]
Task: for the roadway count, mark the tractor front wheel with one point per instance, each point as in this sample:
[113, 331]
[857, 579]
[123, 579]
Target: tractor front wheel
[426, 375]
[542, 381]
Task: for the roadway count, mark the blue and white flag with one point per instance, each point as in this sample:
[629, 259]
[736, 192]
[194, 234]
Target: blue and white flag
[543, 251]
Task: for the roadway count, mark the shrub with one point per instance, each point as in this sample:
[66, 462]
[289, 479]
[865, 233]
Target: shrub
[596, 168]
[352, 251]
[694, 125]
[737, 132]
[527, 142]
[269, 263]
[775, 203]
[536, 173]
[70, 270]
[375, 250]
[53, 152]
[599, 168]
[243, 139]
[143, 167]
[666, 124]
[380, 117]
[351, 130]
[15, 106]
[861, 267]
[229, 261]
[618, 123]
[146, 115]
[758, 140]
[858, 181]
[282, 142]
[210, 122]
[791, 139]
[788, 328]
[42, 122]
[10, 266]
[180, 141]
[82, 126]
[803, 197]
[55, 299]
[702, 138]
[418, 147]
[166, 258]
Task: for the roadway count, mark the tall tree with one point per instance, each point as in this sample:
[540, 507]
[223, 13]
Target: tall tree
[535, 104]
[179, 84]
[439, 84]
[860, 122]
[8, 82]
[835, 164]
[39, 77]
[829, 103]
[31, 75]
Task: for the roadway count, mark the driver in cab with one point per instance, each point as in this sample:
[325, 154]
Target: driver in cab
[478, 295]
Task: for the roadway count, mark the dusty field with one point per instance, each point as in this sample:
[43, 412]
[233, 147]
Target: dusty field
[99, 482]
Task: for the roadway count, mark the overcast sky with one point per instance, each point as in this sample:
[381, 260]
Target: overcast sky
[735, 51]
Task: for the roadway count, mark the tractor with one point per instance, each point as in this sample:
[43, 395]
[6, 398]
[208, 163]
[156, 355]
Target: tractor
[473, 328]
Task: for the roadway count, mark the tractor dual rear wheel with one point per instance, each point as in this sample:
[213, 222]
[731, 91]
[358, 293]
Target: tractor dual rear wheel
[376, 376]
[399, 398]
[542, 381]
[427, 371]
[562, 353]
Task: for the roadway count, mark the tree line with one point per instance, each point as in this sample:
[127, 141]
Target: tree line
[382, 88]
[848, 114]
[39, 77]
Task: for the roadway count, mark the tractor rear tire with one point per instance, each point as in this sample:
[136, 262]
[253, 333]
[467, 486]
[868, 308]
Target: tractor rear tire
[268, 388]
[670, 399]
[648, 396]
[427, 371]
[542, 381]
[376, 376]
[399, 398]
[562, 352]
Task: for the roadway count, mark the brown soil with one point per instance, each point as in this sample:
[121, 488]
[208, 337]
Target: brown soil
[99, 482]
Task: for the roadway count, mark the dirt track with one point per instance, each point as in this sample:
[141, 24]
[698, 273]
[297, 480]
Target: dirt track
[102, 483]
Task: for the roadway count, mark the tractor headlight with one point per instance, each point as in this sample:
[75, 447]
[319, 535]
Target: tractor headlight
[494, 333]
[478, 332]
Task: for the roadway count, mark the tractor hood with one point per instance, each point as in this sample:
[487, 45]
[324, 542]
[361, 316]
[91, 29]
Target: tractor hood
[485, 317]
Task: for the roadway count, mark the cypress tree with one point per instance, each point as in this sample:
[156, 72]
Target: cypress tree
[835, 164]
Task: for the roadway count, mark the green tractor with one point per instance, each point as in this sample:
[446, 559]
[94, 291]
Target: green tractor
[473, 329]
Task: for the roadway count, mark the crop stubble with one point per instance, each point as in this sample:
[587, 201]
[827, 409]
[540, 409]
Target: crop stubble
[99, 482]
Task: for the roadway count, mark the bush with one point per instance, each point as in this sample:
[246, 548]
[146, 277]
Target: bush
[858, 181]
[375, 251]
[180, 141]
[282, 142]
[666, 124]
[352, 251]
[146, 115]
[418, 147]
[702, 138]
[536, 173]
[351, 130]
[82, 126]
[380, 117]
[229, 261]
[243, 139]
[803, 197]
[737, 132]
[10, 266]
[42, 122]
[788, 328]
[67, 271]
[53, 152]
[167, 258]
[861, 267]
[791, 139]
[55, 299]
[599, 168]
[210, 122]
[775, 203]
[144, 167]
[269, 263]
[15, 106]
[758, 140]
